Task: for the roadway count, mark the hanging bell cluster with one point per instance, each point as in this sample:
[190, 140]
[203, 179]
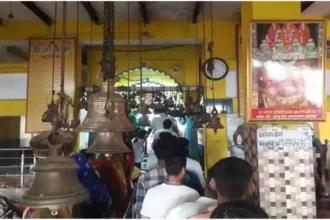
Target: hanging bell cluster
[215, 123]
[56, 183]
[41, 148]
[107, 117]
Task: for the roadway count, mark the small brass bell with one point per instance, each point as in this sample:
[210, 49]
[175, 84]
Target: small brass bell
[108, 143]
[40, 146]
[55, 184]
[102, 118]
[215, 123]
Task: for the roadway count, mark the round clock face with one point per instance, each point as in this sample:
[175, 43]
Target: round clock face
[220, 69]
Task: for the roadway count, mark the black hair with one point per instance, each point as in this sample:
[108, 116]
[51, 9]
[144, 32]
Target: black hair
[232, 177]
[239, 209]
[181, 148]
[163, 148]
[167, 124]
[142, 133]
[166, 135]
[174, 165]
[86, 154]
[211, 192]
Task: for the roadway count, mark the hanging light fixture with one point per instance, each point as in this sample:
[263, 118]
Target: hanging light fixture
[106, 109]
[214, 123]
[56, 183]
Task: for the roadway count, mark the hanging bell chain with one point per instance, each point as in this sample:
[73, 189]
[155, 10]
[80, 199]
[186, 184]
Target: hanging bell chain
[108, 56]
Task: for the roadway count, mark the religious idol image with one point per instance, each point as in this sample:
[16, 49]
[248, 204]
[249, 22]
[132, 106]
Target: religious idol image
[287, 70]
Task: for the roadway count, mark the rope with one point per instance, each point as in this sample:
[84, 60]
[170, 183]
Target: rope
[54, 52]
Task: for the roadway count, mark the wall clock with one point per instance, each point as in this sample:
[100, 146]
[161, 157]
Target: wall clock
[220, 70]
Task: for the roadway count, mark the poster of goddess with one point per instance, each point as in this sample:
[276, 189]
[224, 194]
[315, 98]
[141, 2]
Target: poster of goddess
[287, 76]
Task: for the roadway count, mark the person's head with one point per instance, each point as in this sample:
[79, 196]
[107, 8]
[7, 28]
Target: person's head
[181, 148]
[142, 134]
[175, 168]
[89, 156]
[233, 179]
[167, 124]
[163, 149]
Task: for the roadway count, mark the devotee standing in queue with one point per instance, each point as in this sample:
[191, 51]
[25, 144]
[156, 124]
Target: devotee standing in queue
[138, 147]
[167, 128]
[232, 181]
[99, 196]
[161, 199]
[157, 123]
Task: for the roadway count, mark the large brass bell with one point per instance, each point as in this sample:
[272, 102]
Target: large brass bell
[108, 143]
[40, 146]
[215, 123]
[55, 184]
[110, 118]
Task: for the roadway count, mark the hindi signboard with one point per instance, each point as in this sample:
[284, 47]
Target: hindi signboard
[40, 78]
[286, 78]
[284, 139]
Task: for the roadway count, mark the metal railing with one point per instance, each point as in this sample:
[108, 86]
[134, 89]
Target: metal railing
[15, 167]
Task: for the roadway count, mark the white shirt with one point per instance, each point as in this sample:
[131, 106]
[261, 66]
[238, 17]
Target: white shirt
[138, 149]
[157, 133]
[161, 199]
[157, 122]
[192, 166]
[196, 168]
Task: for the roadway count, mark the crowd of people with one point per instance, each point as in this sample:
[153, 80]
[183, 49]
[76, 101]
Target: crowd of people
[169, 185]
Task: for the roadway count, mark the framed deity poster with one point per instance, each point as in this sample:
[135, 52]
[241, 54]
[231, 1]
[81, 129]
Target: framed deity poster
[286, 73]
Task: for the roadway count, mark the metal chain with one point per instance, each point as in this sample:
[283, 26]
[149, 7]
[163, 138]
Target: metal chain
[108, 61]
[63, 47]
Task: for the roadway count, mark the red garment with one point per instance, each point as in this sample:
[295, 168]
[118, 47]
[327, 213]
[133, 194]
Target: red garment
[288, 34]
[130, 160]
[303, 34]
[273, 35]
[115, 183]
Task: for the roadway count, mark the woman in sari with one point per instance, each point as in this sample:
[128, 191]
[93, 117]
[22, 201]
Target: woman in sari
[113, 174]
[100, 201]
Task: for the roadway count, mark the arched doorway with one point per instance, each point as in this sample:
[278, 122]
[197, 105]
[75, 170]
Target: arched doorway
[151, 77]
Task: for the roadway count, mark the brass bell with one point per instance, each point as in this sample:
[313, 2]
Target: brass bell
[102, 118]
[215, 123]
[108, 143]
[55, 184]
[40, 146]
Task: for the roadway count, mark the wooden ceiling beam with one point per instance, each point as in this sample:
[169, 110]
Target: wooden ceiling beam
[305, 5]
[91, 12]
[38, 12]
[197, 9]
[144, 12]
[17, 52]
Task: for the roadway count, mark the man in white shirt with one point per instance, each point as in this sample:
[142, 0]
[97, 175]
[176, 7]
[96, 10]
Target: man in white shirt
[161, 199]
[138, 147]
[157, 123]
[167, 127]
